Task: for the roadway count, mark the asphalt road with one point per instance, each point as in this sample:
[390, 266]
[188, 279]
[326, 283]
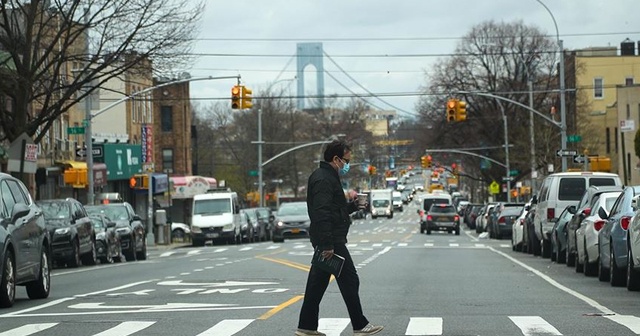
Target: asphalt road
[413, 284]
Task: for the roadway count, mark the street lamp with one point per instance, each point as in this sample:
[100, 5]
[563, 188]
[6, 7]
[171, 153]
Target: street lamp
[534, 173]
[506, 150]
[563, 104]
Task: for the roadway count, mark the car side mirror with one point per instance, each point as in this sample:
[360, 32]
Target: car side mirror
[603, 213]
[19, 210]
[526, 208]
[534, 200]
[572, 209]
[137, 218]
[111, 224]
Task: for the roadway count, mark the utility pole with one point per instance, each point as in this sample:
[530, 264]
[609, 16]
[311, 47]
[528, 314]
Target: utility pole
[88, 135]
[534, 173]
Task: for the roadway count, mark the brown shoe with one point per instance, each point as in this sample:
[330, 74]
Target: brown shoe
[304, 332]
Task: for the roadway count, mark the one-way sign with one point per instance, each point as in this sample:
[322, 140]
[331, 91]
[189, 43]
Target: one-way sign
[579, 159]
[566, 152]
[82, 152]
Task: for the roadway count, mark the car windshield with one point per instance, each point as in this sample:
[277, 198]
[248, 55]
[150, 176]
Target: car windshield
[511, 212]
[263, 213]
[442, 208]
[118, 212]
[55, 210]
[212, 206]
[380, 203]
[97, 222]
[293, 209]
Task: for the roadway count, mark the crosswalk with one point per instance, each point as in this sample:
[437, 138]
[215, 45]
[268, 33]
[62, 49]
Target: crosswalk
[415, 326]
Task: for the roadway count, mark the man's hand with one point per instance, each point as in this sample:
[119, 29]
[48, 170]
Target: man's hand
[327, 254]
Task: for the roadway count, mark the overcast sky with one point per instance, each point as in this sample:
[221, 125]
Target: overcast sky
[440, 23]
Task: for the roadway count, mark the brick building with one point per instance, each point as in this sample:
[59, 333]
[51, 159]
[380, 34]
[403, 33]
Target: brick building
[172, 130]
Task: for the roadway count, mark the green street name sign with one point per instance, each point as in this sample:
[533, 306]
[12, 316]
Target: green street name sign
[514, 172]
[253, 173]
[75, 130]
[574, 138]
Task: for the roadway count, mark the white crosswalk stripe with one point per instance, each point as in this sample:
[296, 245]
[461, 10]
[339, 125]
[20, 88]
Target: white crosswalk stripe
[246, 249]
[534, 325]
[28, 329]
[422, 326]
[126, 328]
[194, 252]
[333, 326]
[167, 254]
[226, 328]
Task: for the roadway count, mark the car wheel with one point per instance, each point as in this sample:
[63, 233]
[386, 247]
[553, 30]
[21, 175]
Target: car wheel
[130, 254]
[578, 265]
[118, 256]
[178, 234]
[633, 278]
[142, 255]
[617, 277]
[571, 262]
[90, 258]
[40, 288]
[8, 281]
[75, 258]
[560, 256]
[545, 248]
[590, 269]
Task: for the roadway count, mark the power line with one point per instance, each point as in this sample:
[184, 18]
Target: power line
[399, 38]
[410, 55]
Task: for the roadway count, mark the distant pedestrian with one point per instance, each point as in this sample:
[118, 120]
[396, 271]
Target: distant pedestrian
[329, 213]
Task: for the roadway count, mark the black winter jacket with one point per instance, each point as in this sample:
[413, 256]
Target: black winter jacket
[328, 208]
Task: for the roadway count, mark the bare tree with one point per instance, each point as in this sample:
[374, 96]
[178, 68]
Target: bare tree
[41, 41]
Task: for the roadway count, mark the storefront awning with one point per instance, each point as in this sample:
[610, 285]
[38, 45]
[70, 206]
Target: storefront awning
[189, 186]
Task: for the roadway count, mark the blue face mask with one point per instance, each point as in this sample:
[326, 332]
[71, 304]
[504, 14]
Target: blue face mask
[345, 169]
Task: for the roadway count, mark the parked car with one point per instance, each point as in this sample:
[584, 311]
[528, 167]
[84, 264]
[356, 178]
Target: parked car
[25, 244]
[633, 237]
[503, 216]
[612, 238]
[529, 234]
[292, 221]
[471, 213]
[129, 227]
[517, 229]
[582, 210]
[266, 215]
[108, 247]
[260, 225]
[73, 239]
[246, 226]
[586, 234]
[180, 231]
[442, 217]
[559, 236]
[557, 191]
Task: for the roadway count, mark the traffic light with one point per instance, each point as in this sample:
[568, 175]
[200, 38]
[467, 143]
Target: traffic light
[423, 161]
[139, 181]
[428, 161]
[370, 170]
[451, 110]
[374, 170]
[461, 111]
[235, 97]
[247, 102]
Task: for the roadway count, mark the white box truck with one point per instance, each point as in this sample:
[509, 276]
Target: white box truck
[381, 203]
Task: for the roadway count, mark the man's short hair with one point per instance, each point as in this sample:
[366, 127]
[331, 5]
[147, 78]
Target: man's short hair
[336, 148]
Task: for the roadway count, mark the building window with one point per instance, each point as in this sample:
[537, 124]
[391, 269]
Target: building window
[608, 135]
[166, 116]
[167, 160]
[628, 81]
[628, 111]
[598, 88]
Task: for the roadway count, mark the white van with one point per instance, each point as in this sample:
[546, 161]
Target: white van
[397, 201]
[557, 192]
[215, 216]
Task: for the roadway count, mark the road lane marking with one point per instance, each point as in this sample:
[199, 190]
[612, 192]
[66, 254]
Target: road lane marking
[470, 235]
[166, 254]
[126, 328]
[226, 328]
[194, 252]
[302, 267]
[364, 241]
[377, 245]
[428, 244]
[220, 250]
[245, 249]
[140, 311]
[402, 244]
[479, 245]
[42, 306]
[422, 326]
[454, 245]
[534, 325]
[28, 329]
[333, 326]
[593, 303]
[505, 245]
[273, 247]
[629, 321]
[280, 307]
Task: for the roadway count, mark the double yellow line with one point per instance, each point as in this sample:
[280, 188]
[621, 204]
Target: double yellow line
[293, 300]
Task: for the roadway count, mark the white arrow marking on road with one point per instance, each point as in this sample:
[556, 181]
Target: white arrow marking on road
[101, 305]
[140, 292]
[215, 284]
[126, 328]
[226, 328]
[419, 326]
[332, 326]
[28, 329]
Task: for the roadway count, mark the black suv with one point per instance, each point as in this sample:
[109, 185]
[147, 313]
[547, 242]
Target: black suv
[129, 227]
[72, 235]
[24, 244]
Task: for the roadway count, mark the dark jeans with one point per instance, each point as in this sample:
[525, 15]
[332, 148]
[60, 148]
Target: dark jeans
[317, 283]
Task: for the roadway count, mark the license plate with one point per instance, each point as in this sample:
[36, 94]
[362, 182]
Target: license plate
[444, 219]
[295, 230]
[212, 235]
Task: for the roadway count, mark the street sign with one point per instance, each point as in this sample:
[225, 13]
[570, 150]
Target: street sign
[82, 152]
[253, 173]
[507, 178]
[494, 188]
[23, 150]
[514, 172]
[566, 152]
[574, 138]
[579, 159]
[75, 130]
[627, 125]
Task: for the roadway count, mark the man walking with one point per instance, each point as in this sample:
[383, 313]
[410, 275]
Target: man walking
[329, 214]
